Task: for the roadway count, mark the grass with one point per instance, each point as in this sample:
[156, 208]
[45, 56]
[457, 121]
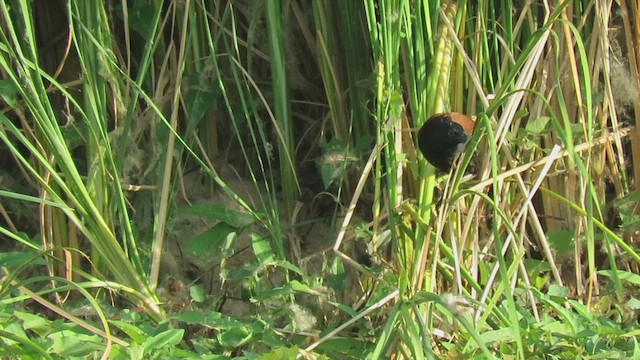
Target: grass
[240, 180]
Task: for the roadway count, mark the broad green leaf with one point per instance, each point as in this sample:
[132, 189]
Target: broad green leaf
[630, 277]
[562, 241]
[165, 339]
[633, 304]
[136, 352]
[246, 272]
[67, 343]
[337, 275]
[19, 258]
[582, 310]
[493, 337]
[212, 319]
[292, 287]
[558, 292]
[300, 287]
[234, 337]
[558, 327]
[281, 354]
[74, 134]
[33, 322]
[9, 92]
[344, 308]
[236, 218]
[333, 162]
[539, 126]
[289, 266]
[273, 293]
[197, 293]
[207, 246]
[134, 332]
[140, 18]
[352, 347]
[262, 249]
[201, 95]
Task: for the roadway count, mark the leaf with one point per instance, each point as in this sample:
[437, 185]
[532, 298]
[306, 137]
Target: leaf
[289, 266]
[140, 18]
[300, 287]
[262, 249]
[561, 241]
[191, 317]
[396, 104]
[166, 338]
[135, 352]
[9, 93]
[197, 294]
[134, 332]
[626, 208]
[500, 336]
[344, 308]
[337, 275]
[535, 267]
[281, 354]
[633, 304]
[352, 347]
[20, 258]
[582, 310]
[33, 322]
[232, 217]
[622, 275]
[201, 96]
[333, 162]
[558, 291]
[292, 287]
[212, 319]
[234, 337]
[246, 272]
[74, 134]
[228, 246]
[273, 293]
[577, 130]
[632, 197]
[558, 328]
[208, 245]
[629, 221]
[539, 126]
[67, 343]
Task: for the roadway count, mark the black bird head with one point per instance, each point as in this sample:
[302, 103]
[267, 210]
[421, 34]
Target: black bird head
[443, 136]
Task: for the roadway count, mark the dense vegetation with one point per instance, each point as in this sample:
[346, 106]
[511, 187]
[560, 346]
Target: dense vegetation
[240, 179]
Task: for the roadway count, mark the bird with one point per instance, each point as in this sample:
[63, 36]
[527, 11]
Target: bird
[443, 136]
